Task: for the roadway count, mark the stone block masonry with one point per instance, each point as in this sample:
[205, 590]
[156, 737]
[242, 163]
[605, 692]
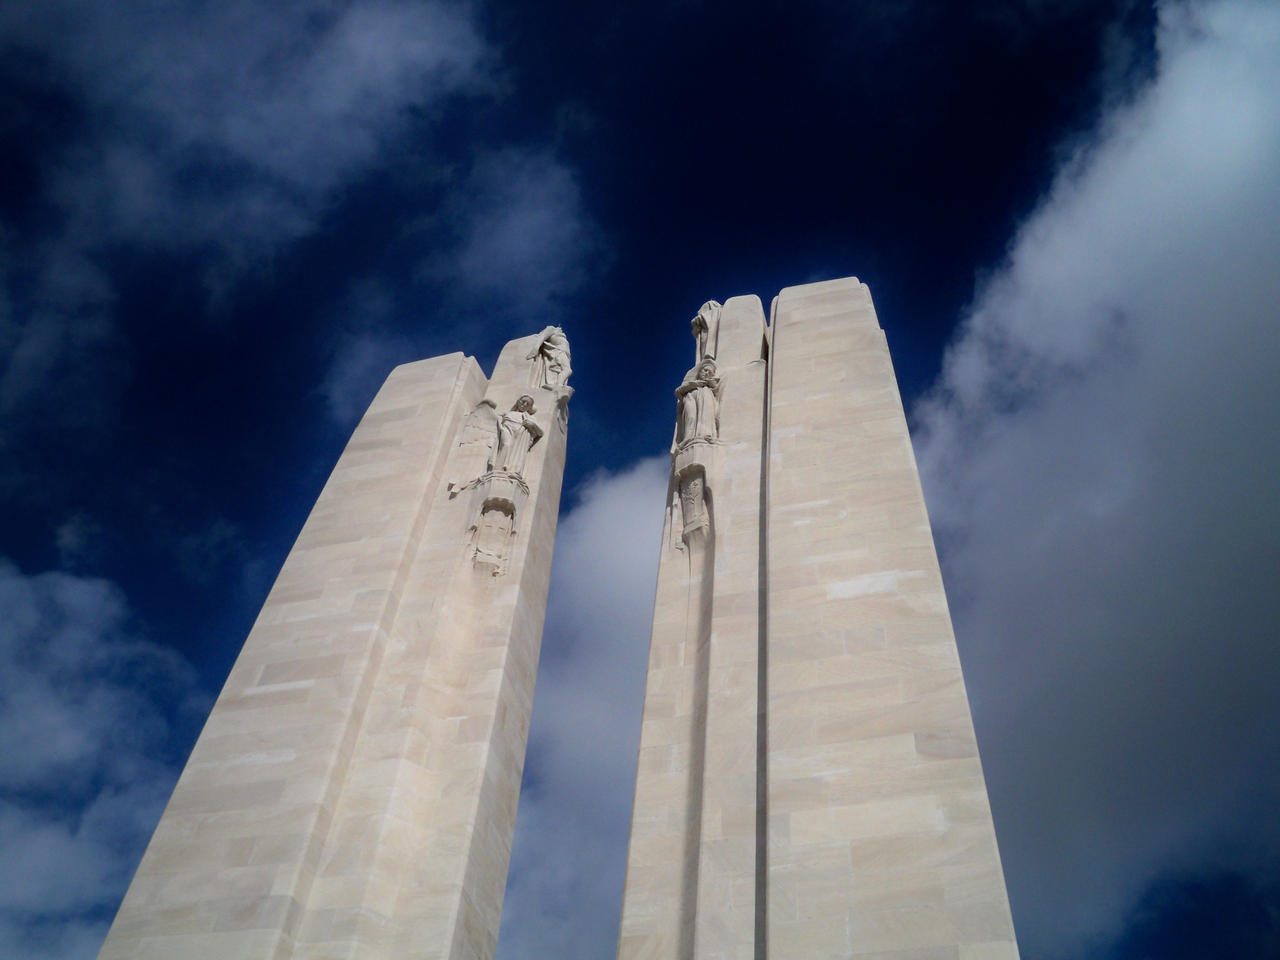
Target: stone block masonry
[808, 782]
[353, 792]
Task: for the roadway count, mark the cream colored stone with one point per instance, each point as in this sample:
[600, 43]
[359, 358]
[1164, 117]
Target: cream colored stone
[353, 792]
[851, 798]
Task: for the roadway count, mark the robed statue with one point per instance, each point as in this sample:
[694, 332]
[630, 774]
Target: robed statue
[698, 405]
[551, 359]
[706, 331]
[517, 433]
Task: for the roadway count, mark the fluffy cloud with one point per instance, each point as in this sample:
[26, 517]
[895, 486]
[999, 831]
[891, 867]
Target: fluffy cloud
[512, 243]
[1100, 459]
[89, 718]
[230, 123]
[1099, 456]
[525, 236]
[216, 133]
[564, 893]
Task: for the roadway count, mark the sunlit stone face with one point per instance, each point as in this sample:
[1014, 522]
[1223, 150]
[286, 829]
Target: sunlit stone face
[410, 611]
[808, 780]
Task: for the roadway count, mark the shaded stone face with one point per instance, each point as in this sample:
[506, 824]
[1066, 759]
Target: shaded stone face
[809, 784]
[354, 791]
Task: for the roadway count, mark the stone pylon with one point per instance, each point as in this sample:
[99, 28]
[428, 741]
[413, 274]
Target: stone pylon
[808, 783]
[353, 793]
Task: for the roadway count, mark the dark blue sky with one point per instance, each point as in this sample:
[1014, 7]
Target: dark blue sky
[221, 227]
[715, 149]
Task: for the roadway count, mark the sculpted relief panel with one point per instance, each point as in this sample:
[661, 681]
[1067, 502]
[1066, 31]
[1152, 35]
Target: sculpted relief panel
[502, 487]
[698, 396]
[492, 536]
[697, 431]
[494, 451]
[518, 431]
[706, 331]
[694, 514]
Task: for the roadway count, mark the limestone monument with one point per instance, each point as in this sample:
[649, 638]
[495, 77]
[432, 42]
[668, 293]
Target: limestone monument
[353, 793]
[808, 783]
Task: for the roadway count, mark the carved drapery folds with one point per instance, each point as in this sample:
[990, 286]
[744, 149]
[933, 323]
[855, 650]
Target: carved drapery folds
[698, 396]
[499, 445]
[550, 370]
[706, 331]
[550, 360]
[698, 406]
[697, 431]
[518, 431]
[501, 489]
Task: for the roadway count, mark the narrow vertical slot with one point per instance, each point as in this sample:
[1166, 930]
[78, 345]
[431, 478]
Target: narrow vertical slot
[762, 661]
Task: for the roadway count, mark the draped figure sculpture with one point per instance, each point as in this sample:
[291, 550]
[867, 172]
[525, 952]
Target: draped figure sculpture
[698, 405]
[551, 359]
[518, 431]
[706, 331]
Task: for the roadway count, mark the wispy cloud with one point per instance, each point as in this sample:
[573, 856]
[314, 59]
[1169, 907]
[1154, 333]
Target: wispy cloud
[1099, 456]
[1099, 459]
[366, 347]
[565, 889]
[90, 718]
[228, 124]
[526, 239]
[213, 132]
[509, 247]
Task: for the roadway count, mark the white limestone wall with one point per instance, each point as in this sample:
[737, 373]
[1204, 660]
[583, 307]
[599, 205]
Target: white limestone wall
[353, 792]
[691, 875]
[808, 783]
[880, 840]
[725, 908]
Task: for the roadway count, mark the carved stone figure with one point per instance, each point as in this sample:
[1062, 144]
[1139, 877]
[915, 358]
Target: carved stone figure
[478, 428]
[698, 405]
[518, 431]
[706, 331]
[493, 534]
[551, 360]
[693, 504]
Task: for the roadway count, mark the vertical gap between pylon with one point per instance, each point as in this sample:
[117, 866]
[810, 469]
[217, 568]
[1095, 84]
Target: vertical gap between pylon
[762, 663]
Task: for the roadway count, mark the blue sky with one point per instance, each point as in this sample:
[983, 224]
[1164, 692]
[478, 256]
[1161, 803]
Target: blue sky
[222, 224]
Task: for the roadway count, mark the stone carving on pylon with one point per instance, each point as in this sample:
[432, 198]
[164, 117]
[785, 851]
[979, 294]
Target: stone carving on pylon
[502, 442]
[502, 487]
[551, 369]
[697, 428]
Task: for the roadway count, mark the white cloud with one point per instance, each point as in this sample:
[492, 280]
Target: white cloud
[565, 887]
[525, 237]
[230, 123]
[360, 364]
[512, 242]
[1100, 460]
[89, 717]
[219, 131]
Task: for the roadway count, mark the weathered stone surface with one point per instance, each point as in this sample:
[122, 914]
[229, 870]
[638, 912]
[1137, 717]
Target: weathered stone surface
[353, 793]
[809, 783]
